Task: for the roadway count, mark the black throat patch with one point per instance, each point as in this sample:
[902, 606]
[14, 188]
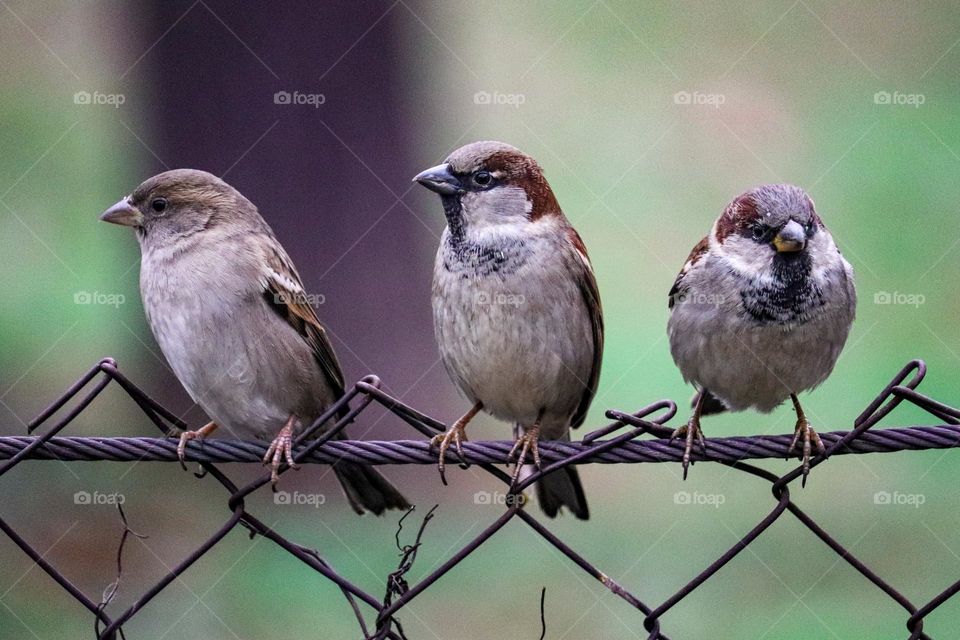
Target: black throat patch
[453, 211]
[470, 259]
[792, 296]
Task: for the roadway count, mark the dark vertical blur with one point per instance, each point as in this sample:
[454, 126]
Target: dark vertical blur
[325, 176]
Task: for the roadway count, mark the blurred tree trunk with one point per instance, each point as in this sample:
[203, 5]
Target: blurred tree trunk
[325, 176]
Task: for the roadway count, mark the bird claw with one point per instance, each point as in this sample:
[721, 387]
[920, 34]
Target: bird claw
[526, 443]
[457, 434]
[688, 432]
[810, 439]
[280, 450]
[187, 436]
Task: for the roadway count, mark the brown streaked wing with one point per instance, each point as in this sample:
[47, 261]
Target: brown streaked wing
[591, 297]
[288, 298]
[695, 255]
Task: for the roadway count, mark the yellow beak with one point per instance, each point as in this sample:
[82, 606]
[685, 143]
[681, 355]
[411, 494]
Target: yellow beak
[792, 237]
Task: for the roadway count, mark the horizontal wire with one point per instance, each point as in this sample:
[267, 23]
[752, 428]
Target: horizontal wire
[383, 452]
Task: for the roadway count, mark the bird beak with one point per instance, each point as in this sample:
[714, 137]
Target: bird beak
[440, 179]
[123, 213]
[791, 238]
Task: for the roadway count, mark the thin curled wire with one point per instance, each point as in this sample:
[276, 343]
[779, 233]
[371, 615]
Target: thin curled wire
[601, 446]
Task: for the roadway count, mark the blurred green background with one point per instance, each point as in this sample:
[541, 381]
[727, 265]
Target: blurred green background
[647, 120]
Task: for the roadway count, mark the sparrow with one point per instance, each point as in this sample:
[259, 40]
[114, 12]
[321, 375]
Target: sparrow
[761, 310]
[516, 308]
[232, 318]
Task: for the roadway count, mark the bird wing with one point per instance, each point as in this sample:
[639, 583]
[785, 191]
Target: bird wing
[583, 271]
[678, 289]
[285, 294]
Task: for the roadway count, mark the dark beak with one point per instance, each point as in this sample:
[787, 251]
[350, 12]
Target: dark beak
[791, 238]
[123, 213]
[440, 179]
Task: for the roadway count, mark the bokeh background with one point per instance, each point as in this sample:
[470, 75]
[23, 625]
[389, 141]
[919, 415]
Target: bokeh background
[647, 119]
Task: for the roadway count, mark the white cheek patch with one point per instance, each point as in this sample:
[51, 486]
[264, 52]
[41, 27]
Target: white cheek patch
[496, 206]
[743, 255]
[823, 253]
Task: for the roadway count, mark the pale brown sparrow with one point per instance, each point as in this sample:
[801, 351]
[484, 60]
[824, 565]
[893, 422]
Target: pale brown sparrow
[761, 310]
[516, 307]
[230, 314]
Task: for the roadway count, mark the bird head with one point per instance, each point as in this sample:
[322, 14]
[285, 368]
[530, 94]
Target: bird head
[489, 184]
[179, 203]
[770, 223]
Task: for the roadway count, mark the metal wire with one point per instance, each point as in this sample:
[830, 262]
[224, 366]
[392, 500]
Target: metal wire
[600, 446]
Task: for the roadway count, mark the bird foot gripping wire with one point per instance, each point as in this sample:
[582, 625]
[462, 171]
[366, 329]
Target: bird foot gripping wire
[457, 435]
[688, 432]
[281, 450]
[526, 443]
[807, 439]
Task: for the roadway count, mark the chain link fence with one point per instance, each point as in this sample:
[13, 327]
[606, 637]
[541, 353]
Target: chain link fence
[378, 617]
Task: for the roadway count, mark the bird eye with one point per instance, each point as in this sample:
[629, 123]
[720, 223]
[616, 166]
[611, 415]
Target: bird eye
[808, 228]
[159, 204]
[482, 178]
[758, 231]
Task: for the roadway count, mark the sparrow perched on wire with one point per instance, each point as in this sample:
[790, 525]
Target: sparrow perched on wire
[761, 310]
[230, 314]
[516, 307]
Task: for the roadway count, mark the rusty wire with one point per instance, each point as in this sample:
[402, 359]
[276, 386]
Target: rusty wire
[600, 446]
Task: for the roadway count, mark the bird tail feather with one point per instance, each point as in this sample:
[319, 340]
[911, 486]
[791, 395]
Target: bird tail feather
[367, 489]
[711, 404]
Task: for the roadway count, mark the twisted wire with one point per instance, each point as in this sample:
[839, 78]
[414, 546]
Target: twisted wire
[383, 452]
